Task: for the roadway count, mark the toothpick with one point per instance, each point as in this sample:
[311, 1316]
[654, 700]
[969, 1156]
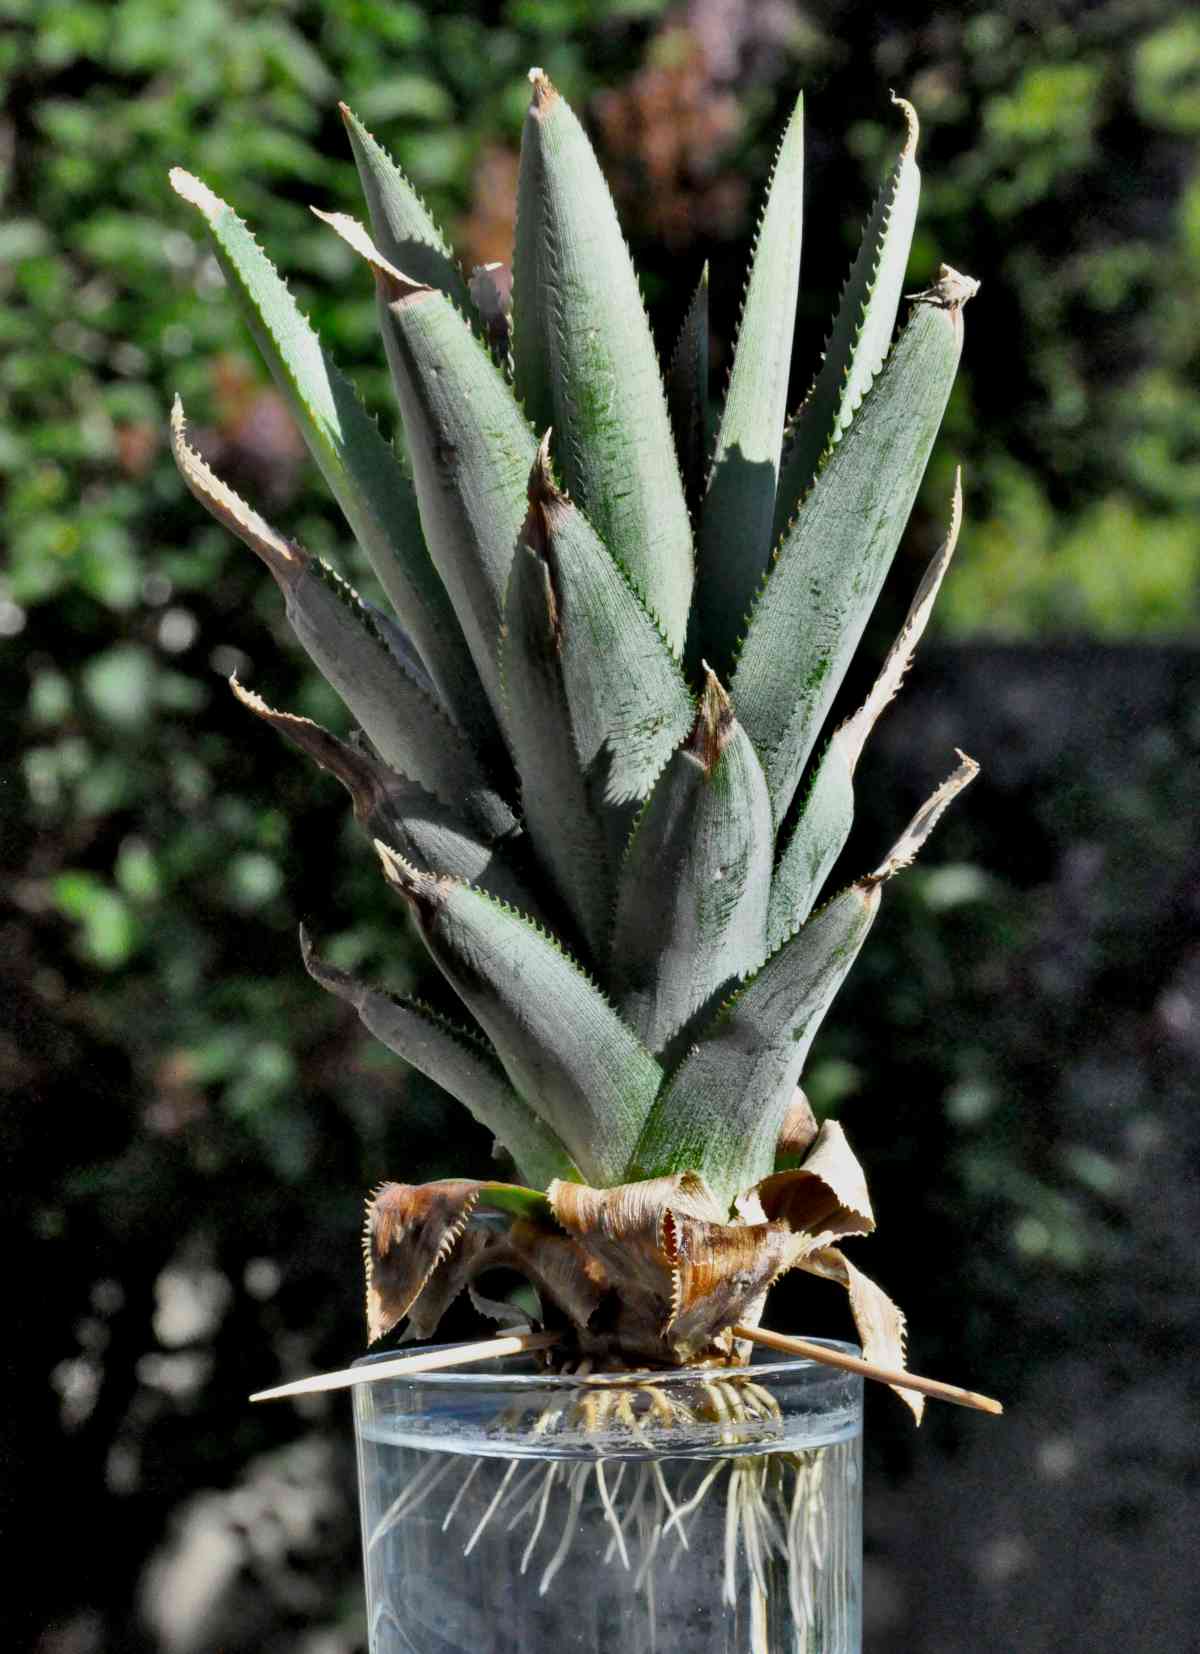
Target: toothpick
[424, 1361]
[854, 1364]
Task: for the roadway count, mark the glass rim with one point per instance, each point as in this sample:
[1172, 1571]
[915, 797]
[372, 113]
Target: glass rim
[483, 1375]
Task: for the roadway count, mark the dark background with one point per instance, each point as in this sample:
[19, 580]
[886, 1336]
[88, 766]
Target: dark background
[189, 1125]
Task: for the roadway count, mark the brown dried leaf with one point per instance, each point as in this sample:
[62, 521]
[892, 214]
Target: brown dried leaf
[445, 1283]
[826, 1196]
[718, 1271]
[365, 777]
[682, 1276]
[410, 1230]
[423, 1250]
[799, 1129]
[880, 1323]
[555, 1265]
[622, 1227]
[926, 819]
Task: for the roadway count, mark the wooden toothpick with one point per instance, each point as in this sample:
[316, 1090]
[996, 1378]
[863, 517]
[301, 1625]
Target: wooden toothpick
[855, 1364]
[518, 1343]
[424, 1361]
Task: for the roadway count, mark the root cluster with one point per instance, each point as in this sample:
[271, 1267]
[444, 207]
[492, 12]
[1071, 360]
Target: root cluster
[777, 1539]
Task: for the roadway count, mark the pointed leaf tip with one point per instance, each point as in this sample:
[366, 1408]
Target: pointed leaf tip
[424, 892]
[950, 291]
[282, 558]
[359, 772]
[396, 870]
[542, 487]
[713, 728]
[337, 982]
[914, 126]
[544, 95]
[394, 284]
[905, 849]
[195, 192]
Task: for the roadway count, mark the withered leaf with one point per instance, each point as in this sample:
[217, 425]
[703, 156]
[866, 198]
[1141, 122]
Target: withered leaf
[622, 1227]
[799, 1129]
[880, 1323]
[410, 1230]
[826, 1196]
[682, 1275]
[423, 1250]
[718, 1271]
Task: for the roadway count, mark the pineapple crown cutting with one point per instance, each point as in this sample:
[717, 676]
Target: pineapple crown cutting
[586, 741]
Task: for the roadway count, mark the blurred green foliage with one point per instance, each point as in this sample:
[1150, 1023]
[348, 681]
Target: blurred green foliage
[182, 1089]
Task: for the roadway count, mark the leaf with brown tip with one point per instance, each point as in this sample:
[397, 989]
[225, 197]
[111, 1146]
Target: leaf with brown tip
[823, 827]
[693, 886]
[360, 467]
[457, 1058]
[828, 571]
[469, 443]
[402, 813]
[562, 1044]
[411, 731]
[721, 1110]
[401, 224]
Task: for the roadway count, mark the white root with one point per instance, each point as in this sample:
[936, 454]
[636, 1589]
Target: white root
[551, 1477]
[491, 1509]
[777, 1536]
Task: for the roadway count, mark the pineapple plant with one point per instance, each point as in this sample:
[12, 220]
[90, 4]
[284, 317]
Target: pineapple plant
[589, 743]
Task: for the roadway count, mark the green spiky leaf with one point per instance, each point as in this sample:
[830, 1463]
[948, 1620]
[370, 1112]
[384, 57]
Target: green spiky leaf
[721, 1111]
[361, 469]
[862, 330]
[405, 815]
[687, 396]
[401, 224]
[471, 448]
[558, 798]
[563, 1046]
[811, 612]
[585, 361]
[410, 730]
[824, 823]
[692, 895]
[629, 704]
[461, 1063]
[736, 517]
[596, 703]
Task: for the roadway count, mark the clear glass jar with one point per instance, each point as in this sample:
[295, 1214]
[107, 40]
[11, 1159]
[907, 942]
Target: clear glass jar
[707, 1511]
